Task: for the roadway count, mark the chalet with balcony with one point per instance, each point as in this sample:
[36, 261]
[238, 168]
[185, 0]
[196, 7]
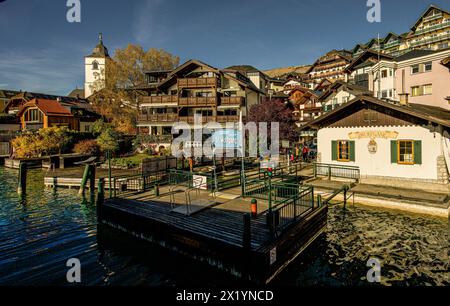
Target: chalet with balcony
[196, 88]
[331, 66]
[43, 113]
[306, 106]
[340, 93]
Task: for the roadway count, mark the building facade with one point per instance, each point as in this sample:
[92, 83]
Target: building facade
[196, 88]
[331, 66]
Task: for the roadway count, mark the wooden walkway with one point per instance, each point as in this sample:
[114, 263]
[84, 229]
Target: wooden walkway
[215, 235]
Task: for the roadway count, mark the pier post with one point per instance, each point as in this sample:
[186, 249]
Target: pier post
[22, 184]
[246, 237]
[345, 197]
[55, 182]
[319, 200]
[100, 196]
[84, 180]
[157, 190]
[92, 179]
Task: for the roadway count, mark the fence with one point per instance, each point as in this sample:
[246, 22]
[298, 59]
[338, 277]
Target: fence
[139, 182]
[330, 171]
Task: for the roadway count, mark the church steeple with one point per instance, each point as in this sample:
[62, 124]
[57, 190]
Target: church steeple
[95, 65]
[100, 50]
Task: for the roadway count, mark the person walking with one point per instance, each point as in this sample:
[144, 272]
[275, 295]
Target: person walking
[305, 153]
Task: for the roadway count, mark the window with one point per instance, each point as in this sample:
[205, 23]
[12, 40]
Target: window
[405, 152]
[33, 115]
[416, 91]
[343, 151]
[415, 69]
[391, 72]
[384, 94]
[428, 66]
[427, 89]
[87, 128]
[94, 65]
[384, 74]
[390, 93]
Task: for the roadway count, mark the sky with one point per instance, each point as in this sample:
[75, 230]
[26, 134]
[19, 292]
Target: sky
[40, 51]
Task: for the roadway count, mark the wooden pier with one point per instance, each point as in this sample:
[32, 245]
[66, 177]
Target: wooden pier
[219, 230]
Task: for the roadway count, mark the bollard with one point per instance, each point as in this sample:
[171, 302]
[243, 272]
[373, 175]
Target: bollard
[254, 208]
[22, 184]
[157, 190]
[100, 196]
[246, 236]
[345, 197]
[319, 200]
[84, 180]
[55, 182]
[92, 179]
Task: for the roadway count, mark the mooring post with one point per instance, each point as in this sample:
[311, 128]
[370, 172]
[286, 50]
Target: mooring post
[246, 237]
[345, 197]
[329, 172]
[55, 182]
[92, 179]
[157, 190]
[22, 184]
[84, 179]
[100, 196]
[319, 200]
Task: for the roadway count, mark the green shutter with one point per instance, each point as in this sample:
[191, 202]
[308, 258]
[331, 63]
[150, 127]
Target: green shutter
[418, 152]
[394, 152]
[334, 150]
[352, 151]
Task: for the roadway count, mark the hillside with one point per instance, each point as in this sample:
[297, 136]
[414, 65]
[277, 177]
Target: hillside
[277, 72]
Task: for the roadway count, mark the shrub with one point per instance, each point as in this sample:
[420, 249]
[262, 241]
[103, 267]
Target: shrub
[90, 147]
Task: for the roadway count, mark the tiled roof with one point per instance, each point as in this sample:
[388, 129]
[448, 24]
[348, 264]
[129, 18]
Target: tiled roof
[48, 107]
[413, 54]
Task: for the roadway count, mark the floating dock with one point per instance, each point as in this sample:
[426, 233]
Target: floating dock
[218, 229]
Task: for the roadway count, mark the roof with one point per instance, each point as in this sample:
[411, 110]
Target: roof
[431, 7]
[76, 93]
[427, 113]
[100, 50]
[363, 57]
[8, 94]
[344, 54]
[48, 107]
[243, 68]
[446, 62]
[414, 54]
[352, 88]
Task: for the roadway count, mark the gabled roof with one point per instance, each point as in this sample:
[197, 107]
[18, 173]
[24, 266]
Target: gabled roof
[48, 107]
[76, 93]
[389, 36]
[427, 113]
[186, 67]
[353, 89]
[446, 62]
[432, 7]
[369, 53]
[414, 54]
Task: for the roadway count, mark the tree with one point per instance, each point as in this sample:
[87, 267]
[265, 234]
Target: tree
[117, 91]
[108, 140]
[275, 111]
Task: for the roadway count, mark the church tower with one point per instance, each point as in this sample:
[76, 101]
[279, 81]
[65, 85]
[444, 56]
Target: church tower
[95, 64]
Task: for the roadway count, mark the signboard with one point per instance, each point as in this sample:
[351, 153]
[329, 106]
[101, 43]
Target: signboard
[200, 182]
[285, 144]
[273, 255]
[373, 135]
[268, 164]
[227, 139]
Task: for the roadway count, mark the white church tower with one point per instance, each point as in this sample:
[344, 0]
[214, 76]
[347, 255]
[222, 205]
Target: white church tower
[95, 67]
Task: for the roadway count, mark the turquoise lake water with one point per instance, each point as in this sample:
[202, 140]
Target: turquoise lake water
[41, 232]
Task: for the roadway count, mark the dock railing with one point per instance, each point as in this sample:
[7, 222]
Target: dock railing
[330, 171]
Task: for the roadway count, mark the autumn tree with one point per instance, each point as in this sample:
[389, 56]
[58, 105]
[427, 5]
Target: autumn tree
[117, 90]
[275, 110]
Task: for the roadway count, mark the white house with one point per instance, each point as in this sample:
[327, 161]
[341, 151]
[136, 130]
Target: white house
[390, 144]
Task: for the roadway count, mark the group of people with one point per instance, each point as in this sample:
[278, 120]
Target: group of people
[304, 153]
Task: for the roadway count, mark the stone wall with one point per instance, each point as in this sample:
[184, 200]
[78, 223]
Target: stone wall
[442, 171]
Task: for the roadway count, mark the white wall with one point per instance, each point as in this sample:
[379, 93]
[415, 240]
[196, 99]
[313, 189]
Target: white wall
[91, 75]
[379, 164]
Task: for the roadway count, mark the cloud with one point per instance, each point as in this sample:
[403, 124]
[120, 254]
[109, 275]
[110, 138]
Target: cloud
[39, 71]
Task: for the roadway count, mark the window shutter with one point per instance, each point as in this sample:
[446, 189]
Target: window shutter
[334, 150]
[394, 152]
[352, 151]
[418, 152]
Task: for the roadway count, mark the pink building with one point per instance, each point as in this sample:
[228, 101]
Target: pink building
[423, 79]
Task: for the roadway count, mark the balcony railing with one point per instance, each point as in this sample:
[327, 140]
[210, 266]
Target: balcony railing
[160, 99]
[198, 82]
[430, 40]
[433, 28]
[190, 119]
[197, 101]
[224, 119]
[433, 17]
[232, 101]
[157, 117]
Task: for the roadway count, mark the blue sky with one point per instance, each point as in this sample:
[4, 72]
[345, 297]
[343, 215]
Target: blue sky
[41, 51]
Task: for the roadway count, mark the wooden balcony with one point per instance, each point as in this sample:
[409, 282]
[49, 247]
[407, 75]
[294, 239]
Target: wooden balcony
[198, 82]
[162, 118]
[232, 101]
[197, 101]
[225, 119]
[160, 99]
[190, 119]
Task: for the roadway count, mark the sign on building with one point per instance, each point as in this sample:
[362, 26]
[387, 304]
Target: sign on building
[227, 139]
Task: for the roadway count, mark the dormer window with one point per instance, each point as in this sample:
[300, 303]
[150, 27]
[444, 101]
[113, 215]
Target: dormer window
[94, 65]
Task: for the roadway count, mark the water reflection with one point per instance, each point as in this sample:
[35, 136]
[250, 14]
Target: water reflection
[40, 232]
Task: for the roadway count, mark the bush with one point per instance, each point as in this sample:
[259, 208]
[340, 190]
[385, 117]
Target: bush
[89, 147]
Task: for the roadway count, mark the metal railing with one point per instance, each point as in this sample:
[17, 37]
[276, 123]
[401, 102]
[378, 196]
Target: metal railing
[330, 171]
